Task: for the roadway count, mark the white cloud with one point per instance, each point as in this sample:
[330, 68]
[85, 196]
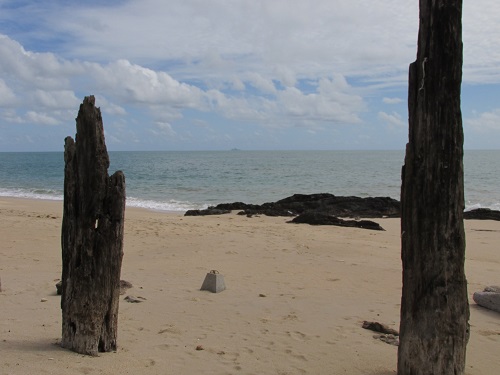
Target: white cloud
[34, 70]
[7, 96]
[109, 107]
[121, 84]
[11, 116]
[326, 105]
[309, 40]
[285, 75]
[280, 40]
[261, 83]
[236, 84]
[120, 133]
[217, 37]
[332, 102]
[392, 100]
[56, 99]
[163, 129]
[40, 84]
[485, 122]
[44, 87]
[481, 38]
[237, 108]
[393, 119]
[265, 63]
[136, 84]
[40, 118]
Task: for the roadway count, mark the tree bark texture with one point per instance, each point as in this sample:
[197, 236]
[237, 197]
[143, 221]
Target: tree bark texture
[92, 238]
[434, 304]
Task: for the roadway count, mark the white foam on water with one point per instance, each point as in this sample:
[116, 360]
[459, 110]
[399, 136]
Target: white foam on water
[171, 205]
[32, 194]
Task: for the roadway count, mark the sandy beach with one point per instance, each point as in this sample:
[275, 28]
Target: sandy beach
[295, 301]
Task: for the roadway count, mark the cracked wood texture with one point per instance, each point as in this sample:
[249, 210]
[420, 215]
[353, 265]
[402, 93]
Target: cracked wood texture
[434, 306]
[91, 239]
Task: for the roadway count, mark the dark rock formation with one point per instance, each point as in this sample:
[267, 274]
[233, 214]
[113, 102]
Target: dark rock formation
[318, 218]
[208, 211]
[268, 211]
[325, 203]
[133, 299]
[388, 335]
[59, 288]
[124, 286]
[379, 327]
[388, 339]
[330, 204]
[237, 206]
[482, 214]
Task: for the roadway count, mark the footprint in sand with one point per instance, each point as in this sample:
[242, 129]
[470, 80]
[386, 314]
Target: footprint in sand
[297, 356]
[86, 370]
[489, 333]
[170, 329]
[299, 336]
[291, 316]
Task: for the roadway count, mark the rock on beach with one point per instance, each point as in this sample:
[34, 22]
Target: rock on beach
[489, 298]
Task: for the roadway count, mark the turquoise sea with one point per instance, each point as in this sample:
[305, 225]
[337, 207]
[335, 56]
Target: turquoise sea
[182, 180]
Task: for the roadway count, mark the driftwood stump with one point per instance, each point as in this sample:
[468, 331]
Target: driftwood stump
[434, 305]
[92, 238]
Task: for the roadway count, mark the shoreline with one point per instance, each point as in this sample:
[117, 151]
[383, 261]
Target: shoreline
[25, 201]
[318, 283]
[471, 207]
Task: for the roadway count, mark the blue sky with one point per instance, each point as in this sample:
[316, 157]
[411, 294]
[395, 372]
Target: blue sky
[218, 74]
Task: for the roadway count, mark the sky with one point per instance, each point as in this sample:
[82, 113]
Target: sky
[224, 74]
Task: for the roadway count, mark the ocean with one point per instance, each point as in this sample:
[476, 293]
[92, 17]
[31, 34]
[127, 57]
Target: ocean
[183, 180]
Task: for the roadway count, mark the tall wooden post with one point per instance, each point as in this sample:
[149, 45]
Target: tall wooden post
[434, 304]
[92, 238]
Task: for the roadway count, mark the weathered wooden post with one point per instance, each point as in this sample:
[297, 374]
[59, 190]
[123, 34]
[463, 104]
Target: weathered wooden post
[92, 238]
[434, 305]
